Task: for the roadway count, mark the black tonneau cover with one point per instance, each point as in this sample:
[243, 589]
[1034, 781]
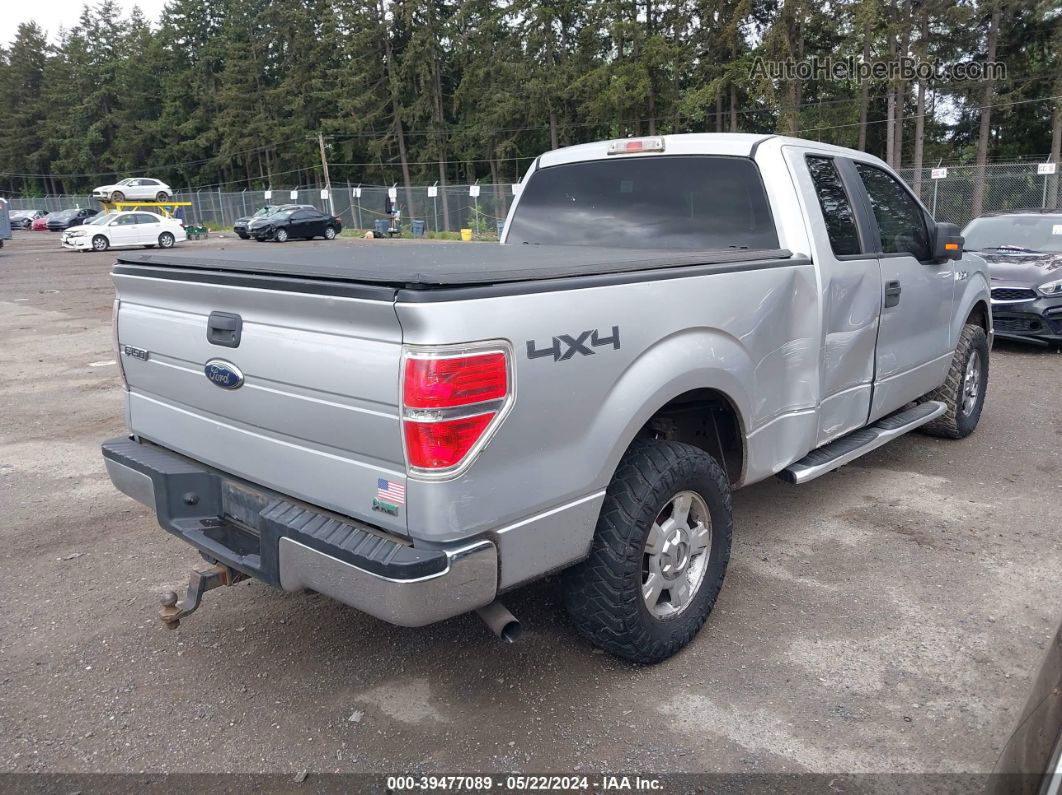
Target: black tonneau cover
[431, 265]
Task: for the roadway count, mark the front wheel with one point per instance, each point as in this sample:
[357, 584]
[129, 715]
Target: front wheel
[964, 391]
[330, 233]
[162, 196]
[100, 243]
[117, 196]
[166, 240]
[659, 553]
[281, 235]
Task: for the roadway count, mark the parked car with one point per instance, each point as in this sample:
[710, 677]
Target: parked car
[122, 230]
[23, 219]
[143, 188]
[1031, 761]
[64, 219]
[425, 428]
[1024, 254]
[295, 222]
[5, 221]
[241, 225]
[40, 224]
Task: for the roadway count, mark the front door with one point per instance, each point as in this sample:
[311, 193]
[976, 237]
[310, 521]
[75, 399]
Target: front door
[914, 337]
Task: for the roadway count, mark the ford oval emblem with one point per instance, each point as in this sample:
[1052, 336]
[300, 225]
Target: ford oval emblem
[223, 374]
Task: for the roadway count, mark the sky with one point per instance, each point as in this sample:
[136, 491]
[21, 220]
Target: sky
[53, 14]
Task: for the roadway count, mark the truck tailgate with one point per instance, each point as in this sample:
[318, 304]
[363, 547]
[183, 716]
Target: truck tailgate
[316, 416]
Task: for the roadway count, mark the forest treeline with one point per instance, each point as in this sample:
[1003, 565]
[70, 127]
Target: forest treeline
[236, 92]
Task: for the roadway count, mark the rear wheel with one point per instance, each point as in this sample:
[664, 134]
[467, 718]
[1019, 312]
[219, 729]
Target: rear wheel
[281, 235]
[166, 240]
[100, 243]
[964, 390]
[330, 233]
[659, 554]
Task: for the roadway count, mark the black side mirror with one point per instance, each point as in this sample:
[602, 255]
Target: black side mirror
[947, 242]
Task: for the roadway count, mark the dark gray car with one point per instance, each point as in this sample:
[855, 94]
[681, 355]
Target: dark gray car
[1024, 254]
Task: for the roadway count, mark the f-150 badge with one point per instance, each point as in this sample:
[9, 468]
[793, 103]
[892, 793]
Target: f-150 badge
[565, 346]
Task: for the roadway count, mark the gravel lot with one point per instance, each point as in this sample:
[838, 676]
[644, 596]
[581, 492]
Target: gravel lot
[886, 618]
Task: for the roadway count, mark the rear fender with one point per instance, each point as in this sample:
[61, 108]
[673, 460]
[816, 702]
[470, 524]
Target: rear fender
[662, 373]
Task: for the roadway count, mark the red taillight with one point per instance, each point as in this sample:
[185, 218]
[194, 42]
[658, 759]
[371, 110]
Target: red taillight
[457, 381]
[449, 403]
[441, 445]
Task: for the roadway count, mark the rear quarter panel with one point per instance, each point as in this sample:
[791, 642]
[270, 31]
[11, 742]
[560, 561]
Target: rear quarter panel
[746, 333]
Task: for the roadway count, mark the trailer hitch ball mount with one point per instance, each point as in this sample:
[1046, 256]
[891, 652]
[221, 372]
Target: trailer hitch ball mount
[200, 581]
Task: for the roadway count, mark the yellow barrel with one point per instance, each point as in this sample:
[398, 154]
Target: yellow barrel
[466, 234]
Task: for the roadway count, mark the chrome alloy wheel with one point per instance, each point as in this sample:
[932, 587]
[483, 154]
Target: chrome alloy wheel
[971, 383]
[676, 555]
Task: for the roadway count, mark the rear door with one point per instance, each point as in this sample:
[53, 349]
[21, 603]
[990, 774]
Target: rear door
[850, 290]
[914, 339]
[122, 230]
[147, 229]
[316, 414]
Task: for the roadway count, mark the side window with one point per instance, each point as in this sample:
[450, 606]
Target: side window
[900, 220]
[836, 207]
[144, 218]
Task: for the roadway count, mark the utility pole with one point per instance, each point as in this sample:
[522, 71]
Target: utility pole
[324, 168]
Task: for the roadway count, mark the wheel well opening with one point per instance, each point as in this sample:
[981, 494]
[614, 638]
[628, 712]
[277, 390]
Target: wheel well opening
[979, 316]
[704, 418]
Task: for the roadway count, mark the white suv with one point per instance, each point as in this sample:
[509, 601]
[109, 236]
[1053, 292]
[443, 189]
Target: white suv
[136, 188]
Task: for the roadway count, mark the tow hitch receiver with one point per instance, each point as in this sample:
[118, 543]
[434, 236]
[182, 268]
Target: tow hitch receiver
[200, 581]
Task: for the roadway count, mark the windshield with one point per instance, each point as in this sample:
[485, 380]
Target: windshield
[687, 202]
[282, 214]
[126, 182]
[264, 212]
[1032, 233]
[100, 220]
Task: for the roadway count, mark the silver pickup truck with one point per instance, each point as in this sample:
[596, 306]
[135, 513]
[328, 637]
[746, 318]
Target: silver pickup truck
[416, 429]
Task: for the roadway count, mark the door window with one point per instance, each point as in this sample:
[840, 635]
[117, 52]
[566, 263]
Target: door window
[144, 218]
[836, 206]
[901, 221]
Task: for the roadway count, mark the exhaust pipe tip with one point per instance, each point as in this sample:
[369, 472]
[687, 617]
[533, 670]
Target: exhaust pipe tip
[501, 622]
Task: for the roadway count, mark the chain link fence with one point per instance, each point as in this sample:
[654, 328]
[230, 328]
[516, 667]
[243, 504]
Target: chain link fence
[1005, 186]
[442, 209]
[951, 197]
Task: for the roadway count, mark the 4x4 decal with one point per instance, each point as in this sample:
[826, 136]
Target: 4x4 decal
[565, 346]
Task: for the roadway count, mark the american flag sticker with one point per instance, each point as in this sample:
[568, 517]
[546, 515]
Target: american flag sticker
[391, 491]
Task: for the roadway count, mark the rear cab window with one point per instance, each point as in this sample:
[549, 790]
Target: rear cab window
[836, 205]
[682, 202]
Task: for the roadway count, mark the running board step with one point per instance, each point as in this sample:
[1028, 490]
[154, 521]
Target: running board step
[848, 448]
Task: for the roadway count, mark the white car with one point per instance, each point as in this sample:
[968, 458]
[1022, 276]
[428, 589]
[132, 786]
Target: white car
[135, 188]
[119, 230]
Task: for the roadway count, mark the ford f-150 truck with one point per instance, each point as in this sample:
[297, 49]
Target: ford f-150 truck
[416, 430]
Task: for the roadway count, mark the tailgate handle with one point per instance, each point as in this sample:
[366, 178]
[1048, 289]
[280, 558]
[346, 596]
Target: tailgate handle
[224, 328]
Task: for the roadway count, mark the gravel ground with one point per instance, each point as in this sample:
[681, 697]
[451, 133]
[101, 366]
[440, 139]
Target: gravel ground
[886, 618]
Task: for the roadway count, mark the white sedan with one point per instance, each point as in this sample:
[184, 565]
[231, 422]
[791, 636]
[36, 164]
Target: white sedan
[136, 188]
[118, 230]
